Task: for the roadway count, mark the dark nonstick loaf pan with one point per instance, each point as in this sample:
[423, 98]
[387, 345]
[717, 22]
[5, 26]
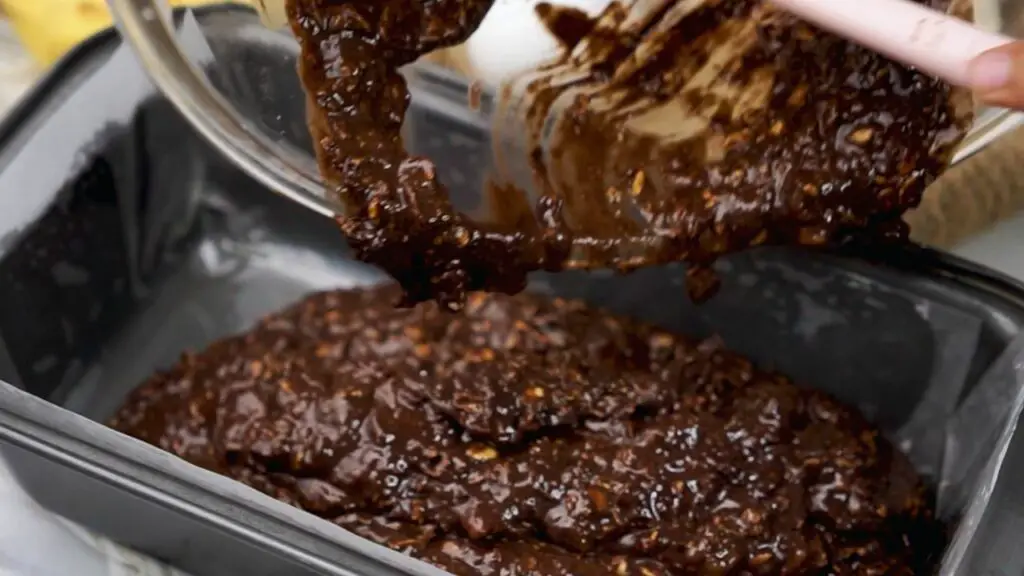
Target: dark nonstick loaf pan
[125, 240]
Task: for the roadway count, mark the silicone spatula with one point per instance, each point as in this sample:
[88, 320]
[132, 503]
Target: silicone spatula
[937, 43]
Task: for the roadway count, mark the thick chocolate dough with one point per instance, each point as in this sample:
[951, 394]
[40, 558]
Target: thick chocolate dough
[527, 436]
[676, 130]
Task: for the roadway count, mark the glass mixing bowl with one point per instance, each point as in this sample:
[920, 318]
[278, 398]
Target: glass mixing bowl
[243, 120]
[230, 70]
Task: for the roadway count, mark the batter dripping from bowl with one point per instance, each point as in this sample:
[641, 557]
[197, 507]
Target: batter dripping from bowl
[668, 131]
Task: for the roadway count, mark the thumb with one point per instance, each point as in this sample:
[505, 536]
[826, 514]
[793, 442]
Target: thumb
[997, 76]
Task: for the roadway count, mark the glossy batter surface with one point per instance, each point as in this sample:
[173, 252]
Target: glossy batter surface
[527, 436]
[669, 130]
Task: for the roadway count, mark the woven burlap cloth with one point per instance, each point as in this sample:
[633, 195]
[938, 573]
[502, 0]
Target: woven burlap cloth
[986, 188]
[972, 195]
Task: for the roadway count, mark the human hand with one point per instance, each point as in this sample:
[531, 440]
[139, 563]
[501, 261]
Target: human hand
[997, 76]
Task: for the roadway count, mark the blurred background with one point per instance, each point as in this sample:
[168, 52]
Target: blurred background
[36, 33]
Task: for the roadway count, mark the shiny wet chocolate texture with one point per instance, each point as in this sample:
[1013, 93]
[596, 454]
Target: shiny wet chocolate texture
[669, 130]
[528, 436]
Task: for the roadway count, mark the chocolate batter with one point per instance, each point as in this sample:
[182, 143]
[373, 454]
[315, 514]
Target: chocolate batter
[527, 436]
[670, 131]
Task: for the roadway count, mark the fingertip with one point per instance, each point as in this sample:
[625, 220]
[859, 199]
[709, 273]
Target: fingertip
[990, 71]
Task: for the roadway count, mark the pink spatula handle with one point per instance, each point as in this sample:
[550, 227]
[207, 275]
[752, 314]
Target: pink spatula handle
[931, 41]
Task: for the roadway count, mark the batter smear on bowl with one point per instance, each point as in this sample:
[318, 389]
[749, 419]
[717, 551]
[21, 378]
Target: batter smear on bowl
[669, 130]
[529, 436]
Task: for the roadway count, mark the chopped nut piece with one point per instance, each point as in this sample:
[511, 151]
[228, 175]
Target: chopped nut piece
[256, 368]
[535, 392]
[373, 209]
[598, 498]
[861, 136]
[638, 183]
[481, 453]
[462, 236]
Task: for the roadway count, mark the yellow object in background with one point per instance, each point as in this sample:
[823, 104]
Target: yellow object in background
[49, 28]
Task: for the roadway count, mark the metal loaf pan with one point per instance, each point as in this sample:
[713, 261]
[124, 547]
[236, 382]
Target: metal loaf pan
[124, 240]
